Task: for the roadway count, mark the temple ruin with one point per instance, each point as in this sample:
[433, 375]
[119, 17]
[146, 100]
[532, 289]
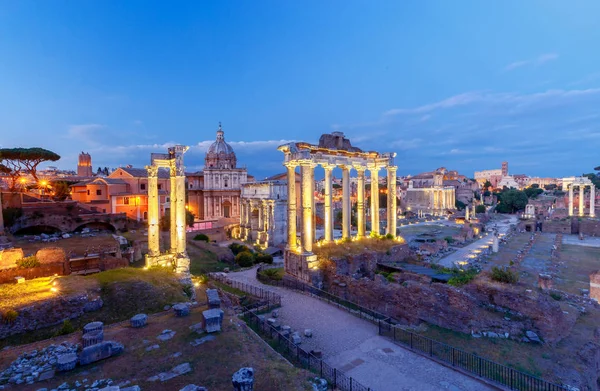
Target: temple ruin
[177, 254]
[581, 183]
[333, 150]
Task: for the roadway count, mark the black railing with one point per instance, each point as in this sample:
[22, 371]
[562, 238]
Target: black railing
[468, 362]
[269, 299]
[337, 379]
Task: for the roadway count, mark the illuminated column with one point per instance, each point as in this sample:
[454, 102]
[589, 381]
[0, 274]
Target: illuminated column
[180, 220]
[328, 221]
[346, 202]
[173, 207]
[391, 200]
[581, 201]
[592, 202]
[261, 217]
[153, 212]
[307, 201]
[374, 199]
[570, 199]
[360, 202]
[291, 204]
[1, 218]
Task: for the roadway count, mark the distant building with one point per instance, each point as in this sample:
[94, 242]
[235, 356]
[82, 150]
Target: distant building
[125, 190]
[84, 165]
[430, 196]
[214, 193]
[492, 176]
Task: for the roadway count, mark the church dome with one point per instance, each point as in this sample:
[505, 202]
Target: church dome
[220, 154]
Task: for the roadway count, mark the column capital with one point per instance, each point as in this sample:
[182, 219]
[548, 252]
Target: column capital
[359, 168]
[346, 167]
[392, 168]
[152, 171]
[307, 163]
[328, 166]
[291, 164]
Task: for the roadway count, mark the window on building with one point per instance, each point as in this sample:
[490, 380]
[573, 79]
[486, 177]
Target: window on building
[159, 186]
[143, 186]
[225, 182]
[126, 200]
[145, 215]
[88, 192]
[98, 192]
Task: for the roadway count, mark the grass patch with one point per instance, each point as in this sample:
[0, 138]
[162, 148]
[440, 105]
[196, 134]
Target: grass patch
[204, 261]
[350, 248]
[273, 274]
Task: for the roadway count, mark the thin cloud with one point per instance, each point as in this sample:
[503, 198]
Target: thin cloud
[538, 61]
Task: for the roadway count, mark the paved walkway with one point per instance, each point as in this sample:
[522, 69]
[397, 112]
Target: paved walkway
[353, 345]
[463, 254]
[588, 241]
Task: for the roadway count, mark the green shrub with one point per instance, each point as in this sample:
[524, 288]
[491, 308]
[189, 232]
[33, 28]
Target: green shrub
[202, 237]
[480, 209]
[237, 248]
[244, 259]
[506, 276]
[273, 274]
[28, 262]
[449, 239]
[461, 278]
[389, 236]
[9, 316]
[67, 328]
[188, 289]
[264, 258]
[556, 296]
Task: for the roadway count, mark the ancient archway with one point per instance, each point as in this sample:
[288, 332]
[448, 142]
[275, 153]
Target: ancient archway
[38, 230]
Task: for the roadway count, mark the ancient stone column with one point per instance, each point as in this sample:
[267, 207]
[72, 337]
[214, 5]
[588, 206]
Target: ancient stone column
[391, 200]
[181, 214]
[592, 201]
[570, 199]
[1, 217]
[307, 201]
[153, 212]
[346, 202]
[360, 202]
[261, 217]
[173, 207]
[328, 217]
[374, 198]
[581, 200]
[291, 205]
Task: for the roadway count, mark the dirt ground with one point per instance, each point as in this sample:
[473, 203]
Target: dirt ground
[213, 362]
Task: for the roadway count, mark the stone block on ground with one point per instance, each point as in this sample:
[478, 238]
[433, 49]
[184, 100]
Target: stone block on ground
[180, 369]
[166, 335]
[319, 384]
[296, 340]
[139, 320]
[110, 388]
[308, 333]
[99, 352]
[92, 338]
[212, 296]
[533, 337]
[93, 326]
[275, 314]
[286, 330]
[132, 388]
[212, 320]
[181, 310]
[192, 387]
[66, 362]
[243, 380]
[200, 341]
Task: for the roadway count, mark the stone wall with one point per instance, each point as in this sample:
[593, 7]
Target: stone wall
[478, 307]
[366, 263]
[589, 227]
[51, 255]
[51, 312]
[557, 226]
[9, 257]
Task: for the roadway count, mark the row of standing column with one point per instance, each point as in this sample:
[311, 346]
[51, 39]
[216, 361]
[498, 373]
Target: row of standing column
[582, 200]
[307, 197]
[265, 215]
[177, 212]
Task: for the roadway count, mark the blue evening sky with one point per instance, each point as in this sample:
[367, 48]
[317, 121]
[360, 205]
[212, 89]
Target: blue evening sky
[463, 84]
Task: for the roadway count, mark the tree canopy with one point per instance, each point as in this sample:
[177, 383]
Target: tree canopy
[15, 161]
[511, 201]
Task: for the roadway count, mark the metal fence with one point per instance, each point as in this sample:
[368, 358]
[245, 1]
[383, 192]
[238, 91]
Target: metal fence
[268, 301]
[337, 379]
[471, 363]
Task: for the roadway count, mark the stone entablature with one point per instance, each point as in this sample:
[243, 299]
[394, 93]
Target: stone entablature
[333, 151]
[263, 217]
[581, 183]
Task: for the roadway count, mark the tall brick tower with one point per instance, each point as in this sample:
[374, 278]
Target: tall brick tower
[84, 166]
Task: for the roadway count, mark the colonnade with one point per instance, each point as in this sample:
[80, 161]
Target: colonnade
[174, 162]
[582, 199]
[442, 198]
[307, 199]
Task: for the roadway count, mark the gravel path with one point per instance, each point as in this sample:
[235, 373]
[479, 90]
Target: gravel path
[462, 254]
[353, 345]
